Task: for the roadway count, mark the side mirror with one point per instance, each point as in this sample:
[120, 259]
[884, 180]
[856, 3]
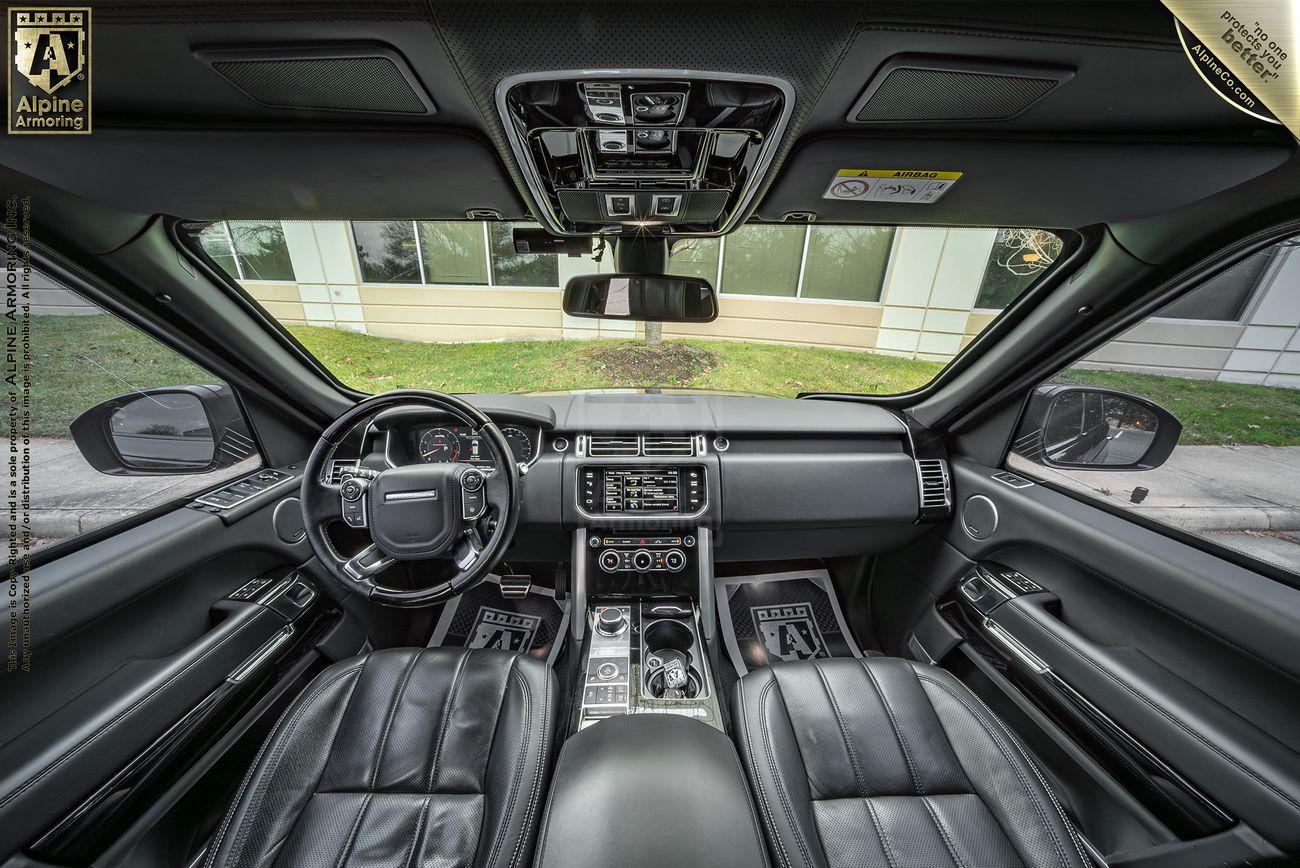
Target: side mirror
[1091, 428]
[168, 431]
[653, 297]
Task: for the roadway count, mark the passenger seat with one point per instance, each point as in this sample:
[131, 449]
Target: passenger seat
[883, 761]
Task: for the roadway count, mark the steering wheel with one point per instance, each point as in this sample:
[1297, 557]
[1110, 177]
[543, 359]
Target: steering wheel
[413, 513]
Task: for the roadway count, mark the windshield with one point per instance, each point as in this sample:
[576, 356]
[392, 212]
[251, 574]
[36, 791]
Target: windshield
[803, 308]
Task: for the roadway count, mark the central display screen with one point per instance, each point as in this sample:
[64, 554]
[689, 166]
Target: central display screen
[637, 490]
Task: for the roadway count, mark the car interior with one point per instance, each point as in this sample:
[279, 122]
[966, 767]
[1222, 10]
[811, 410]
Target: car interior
[417, 625]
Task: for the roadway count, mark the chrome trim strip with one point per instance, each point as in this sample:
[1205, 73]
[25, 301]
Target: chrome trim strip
[532, 177]
[1012, 646]
[261, 655]
[429, 494]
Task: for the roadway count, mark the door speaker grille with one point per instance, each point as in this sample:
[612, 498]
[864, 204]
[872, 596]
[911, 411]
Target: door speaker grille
[921, 91]
[357, 78]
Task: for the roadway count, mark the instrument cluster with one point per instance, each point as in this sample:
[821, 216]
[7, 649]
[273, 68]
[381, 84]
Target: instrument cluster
[440, 444]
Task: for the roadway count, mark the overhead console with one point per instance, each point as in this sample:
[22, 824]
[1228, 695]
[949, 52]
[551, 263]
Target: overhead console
[610, 152]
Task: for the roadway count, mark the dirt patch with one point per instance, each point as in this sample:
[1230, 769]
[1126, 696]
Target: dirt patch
[669, 364]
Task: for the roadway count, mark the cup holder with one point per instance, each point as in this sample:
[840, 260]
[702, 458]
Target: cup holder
[669, 634]
[669, 645]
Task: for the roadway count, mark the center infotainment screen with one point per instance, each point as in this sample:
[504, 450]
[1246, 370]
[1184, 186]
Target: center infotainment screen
[637, 490]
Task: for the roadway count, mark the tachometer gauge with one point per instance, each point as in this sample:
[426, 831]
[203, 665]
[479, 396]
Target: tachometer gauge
[520, 446]
[438, 445]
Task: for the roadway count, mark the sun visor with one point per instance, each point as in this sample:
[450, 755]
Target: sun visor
[302, 173]
[1007, 183]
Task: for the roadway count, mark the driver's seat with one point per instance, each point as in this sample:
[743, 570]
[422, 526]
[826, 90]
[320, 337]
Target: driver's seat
[403, 757]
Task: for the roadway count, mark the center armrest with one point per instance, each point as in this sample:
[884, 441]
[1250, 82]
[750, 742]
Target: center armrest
[650, 790]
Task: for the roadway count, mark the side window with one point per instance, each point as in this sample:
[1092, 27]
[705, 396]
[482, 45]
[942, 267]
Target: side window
[1192, 417]
[118, 424]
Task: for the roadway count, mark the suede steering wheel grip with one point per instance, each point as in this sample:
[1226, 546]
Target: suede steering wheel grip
[474, 556]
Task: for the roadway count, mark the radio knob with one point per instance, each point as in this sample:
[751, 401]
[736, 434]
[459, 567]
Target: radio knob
[674, 560]
[609, 560]
[642, 560]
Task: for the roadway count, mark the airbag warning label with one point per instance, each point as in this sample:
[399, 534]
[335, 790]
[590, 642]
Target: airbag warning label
[920, 186]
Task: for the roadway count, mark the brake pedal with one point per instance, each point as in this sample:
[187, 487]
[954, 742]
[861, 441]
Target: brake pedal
[515, 587]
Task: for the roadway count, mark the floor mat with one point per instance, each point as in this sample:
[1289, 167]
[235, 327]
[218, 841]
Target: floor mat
[482, 618]
[781, 617]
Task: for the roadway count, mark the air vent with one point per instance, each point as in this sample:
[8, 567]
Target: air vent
[936, 493]
[653, 446]
[339, 468]
[910, 89]
[599, 446]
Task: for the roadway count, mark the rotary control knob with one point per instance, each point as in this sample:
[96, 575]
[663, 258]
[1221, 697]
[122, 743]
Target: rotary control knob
[642, 560]
[674, 560]
[610, 621]
[472, 481]
[609, 560]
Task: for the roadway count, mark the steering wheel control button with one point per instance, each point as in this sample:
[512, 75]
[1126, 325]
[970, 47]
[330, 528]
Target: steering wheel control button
[352, 490]
[474, 502]
[472, 481]
[611, 621]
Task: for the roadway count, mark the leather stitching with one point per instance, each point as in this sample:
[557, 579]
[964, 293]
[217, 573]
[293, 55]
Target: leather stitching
[499, 838]
[1085, 658]
[392, 715]
[252, 771]
[351, 842]
[893, 723]
[776, 777]
[442, 722]
[540, 766]
[109, 724]
[418, 843]
[943, 832]
[844, 732]
[1024, 783]
[1051, 794]
[753, 815]
[880, 833]
[758, 783]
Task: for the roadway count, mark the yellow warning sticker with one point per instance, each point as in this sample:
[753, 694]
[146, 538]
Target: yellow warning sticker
[919, 186]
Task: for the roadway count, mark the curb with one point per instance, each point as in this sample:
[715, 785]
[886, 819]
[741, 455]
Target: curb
[1209, 519]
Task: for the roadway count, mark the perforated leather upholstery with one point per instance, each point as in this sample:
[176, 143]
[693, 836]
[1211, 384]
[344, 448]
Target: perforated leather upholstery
[884, 761]
[405, 757]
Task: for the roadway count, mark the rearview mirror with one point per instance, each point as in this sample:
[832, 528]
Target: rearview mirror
[1091, 428]
[170, 431]
[653, 297]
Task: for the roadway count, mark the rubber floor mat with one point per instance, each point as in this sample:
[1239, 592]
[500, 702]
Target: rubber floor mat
[482, 618]
[781, 617]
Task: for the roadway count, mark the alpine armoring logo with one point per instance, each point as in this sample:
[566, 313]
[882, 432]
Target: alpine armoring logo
[49, 78]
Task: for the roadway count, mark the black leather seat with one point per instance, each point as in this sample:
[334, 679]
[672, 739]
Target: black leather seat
[400, 758]
[887, 762]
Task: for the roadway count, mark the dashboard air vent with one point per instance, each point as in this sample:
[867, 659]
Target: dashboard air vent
[936, 491]
[338, 468]
[599, 446]
[676, 446]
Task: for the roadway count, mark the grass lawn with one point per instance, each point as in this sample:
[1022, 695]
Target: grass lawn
[373, 364]
[80, 361]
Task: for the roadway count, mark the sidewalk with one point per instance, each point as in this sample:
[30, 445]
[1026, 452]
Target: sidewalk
[69, 497]
[1244, 497]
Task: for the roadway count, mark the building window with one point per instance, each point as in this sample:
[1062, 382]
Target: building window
[695, 257]
[763, 260]
[1018, 258]
[386, 251]
[453, 252]
[846, 263]
[519, 269]
[1225, 296]
[249, 249]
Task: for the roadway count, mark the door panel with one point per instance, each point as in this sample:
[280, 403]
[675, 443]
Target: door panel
[130, 636]
[1190, 656]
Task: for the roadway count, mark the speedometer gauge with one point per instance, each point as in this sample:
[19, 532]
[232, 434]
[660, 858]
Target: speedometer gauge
[520, 445]
[438, 445]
